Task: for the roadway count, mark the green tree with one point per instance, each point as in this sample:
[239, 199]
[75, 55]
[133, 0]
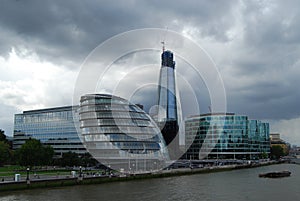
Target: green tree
[4, 153]
[48, 153]
[277, 151]
[33, 153]
[264, 155]
[4, 139]
[70, 159]
[2, 136]
[87, 160]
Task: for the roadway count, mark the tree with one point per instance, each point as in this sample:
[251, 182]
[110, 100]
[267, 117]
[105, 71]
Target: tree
[70, 159]
[33, 153]
[2, 136]
[4, 139]
[277, 151]
[87, 160]
[4, 153]
[5, 149]
[48, 153]
[264, 155]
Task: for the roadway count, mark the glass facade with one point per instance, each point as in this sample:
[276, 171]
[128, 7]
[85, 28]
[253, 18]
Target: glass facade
[226, 136]
[52, 126]
[120, 134]
[167, 118]
[167, 90]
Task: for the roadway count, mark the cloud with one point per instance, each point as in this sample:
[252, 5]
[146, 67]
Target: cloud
[63, 31]
[289, 130]
[255, 45]
[27, 83]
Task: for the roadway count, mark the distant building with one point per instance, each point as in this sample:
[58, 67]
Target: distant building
[275, 140]
[52, 126]
[275, 137]
[295, 151]
[226, 136]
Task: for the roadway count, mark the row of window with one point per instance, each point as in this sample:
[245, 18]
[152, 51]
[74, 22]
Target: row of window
[128, 130]
[109, 115]
[115, 122]
[44, 117]
[120, 137]
[105, 107]
[126, 145]
[33, 130]
[93, 101]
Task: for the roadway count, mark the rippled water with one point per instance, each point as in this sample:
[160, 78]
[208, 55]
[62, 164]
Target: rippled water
[235, 185]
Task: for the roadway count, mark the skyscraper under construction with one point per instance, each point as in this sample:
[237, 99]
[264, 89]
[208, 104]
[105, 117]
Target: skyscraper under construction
[167, 117]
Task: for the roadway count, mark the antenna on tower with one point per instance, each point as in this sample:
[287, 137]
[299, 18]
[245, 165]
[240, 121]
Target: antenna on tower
[164, 38]
[163, 45]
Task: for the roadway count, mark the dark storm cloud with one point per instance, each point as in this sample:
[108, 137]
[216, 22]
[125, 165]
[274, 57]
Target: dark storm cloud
[275, 22]
[213, 18]
[264, 75]
[63, 30]
[66, 31]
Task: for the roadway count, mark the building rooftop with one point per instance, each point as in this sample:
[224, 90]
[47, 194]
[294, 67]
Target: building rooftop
[54, 109]
[212, 114]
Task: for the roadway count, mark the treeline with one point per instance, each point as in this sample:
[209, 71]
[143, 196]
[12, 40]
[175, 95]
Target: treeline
[34, 153]
[277, 152]
[6, 153]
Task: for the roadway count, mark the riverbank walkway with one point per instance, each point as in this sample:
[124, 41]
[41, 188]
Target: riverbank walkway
[41, 181]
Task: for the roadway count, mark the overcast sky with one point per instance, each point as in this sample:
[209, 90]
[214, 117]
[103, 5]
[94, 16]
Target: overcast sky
[255, 45]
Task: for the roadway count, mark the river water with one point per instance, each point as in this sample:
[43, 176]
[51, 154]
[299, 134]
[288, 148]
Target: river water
[237, 185]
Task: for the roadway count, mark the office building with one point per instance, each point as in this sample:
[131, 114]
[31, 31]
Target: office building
[226, 136]
[52, 126]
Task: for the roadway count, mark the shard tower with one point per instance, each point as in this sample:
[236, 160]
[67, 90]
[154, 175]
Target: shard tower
[167, 118]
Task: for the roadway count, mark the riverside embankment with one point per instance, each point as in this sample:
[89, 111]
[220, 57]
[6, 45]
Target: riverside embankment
[69, 181]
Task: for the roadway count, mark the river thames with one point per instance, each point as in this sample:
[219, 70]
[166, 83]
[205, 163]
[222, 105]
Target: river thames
[237, 185]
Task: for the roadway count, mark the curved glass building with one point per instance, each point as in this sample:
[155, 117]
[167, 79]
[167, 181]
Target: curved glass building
[120, 134]
[226, 136]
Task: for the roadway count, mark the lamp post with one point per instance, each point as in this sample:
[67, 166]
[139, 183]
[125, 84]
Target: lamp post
[133, 168]
[80, 174]
[27, 178]
[109, 171]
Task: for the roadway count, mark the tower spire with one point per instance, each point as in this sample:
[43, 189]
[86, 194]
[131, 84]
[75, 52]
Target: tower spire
[163, 45]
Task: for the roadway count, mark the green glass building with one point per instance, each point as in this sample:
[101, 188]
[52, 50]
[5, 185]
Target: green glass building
[226, 136]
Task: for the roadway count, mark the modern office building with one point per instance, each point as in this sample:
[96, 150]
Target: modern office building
[52, 126]
[120, 134]
[226, 136]
[167, 118]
